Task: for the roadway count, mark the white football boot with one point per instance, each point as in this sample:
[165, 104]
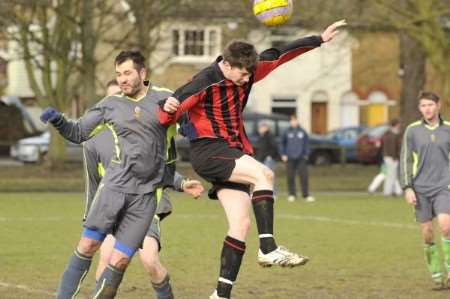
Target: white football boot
[282, 257]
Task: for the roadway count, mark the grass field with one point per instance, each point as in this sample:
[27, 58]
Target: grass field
[360, 247]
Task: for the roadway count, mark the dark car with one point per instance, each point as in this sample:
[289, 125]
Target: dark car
[323, 149]
[370, 144]
[347, 139]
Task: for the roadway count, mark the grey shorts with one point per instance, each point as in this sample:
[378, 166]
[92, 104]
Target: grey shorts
[126, 216]
[429, 207]
[163, 210]
[154, 231]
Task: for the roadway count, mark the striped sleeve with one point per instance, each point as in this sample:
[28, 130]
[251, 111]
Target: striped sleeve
[188, 95]
[406, 160]
[272, 58]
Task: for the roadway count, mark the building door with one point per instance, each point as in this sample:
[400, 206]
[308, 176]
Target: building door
[319, 116]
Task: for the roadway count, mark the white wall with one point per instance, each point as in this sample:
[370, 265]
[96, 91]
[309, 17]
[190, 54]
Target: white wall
[327, 68]
[18, 83]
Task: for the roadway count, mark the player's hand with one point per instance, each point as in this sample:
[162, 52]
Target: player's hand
[284, 158]
[50, 114]
[171, 105]
[331, 31]
[410, 197]
[193, 187]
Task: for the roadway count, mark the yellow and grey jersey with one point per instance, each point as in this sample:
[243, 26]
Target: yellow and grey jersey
[424, 160]
[98, 152]
[139, 140]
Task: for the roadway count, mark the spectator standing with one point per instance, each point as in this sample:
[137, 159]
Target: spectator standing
[294, 152]
[266, 148]
[391, 153]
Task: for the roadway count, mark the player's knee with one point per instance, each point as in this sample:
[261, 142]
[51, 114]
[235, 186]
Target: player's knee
[268, 175]
[427, 234]
[120, 262]
[445, 230]
[149, 262]
[88, 247]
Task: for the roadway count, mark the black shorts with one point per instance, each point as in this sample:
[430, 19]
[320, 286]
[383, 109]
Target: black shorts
[214, 160]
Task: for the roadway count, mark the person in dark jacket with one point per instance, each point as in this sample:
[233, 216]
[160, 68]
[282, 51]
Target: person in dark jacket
[294, 152]
[391, 154]
[266, 148]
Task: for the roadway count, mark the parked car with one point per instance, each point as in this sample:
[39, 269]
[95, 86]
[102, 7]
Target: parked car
[324, 150]
[370, 144]
[347, 139]
[12, 126]
[33, 149]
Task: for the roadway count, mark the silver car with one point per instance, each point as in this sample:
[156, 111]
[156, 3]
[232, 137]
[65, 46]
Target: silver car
[33, 149]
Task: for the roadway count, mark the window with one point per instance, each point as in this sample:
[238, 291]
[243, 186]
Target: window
[195, 43]
[286, 106]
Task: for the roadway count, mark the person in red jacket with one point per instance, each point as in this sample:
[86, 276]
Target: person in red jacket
[221, 152]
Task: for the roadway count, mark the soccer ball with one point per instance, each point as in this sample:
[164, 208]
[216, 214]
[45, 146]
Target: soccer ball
[272, 12]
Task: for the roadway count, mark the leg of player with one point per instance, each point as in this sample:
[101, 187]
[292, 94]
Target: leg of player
[111, 277]
[159, 276]
[105, 255]
[250, 171]
[129, 232]
[79, 264]
[444, 224]
[236, 205]
[431, 253]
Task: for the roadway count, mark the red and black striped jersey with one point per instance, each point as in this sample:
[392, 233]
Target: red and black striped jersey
[215, 104]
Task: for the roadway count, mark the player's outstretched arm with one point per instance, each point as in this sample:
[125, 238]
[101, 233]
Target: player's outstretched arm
[272, 58]
[183, 99]
[74, 131]
[332, 30]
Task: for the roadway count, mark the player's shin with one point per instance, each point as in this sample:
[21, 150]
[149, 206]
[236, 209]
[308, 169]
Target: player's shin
[262, 201]
[433, 261]
[109, 282]
[163, 289]
[231, 258]
[446, 251]
[74, 274]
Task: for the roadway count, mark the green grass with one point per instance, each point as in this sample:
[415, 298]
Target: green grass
[360, 247]
[35, 178]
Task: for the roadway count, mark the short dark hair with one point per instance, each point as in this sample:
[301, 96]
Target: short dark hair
[428, 95]
[112, 82]
[394, 122]
[136, 56]
[241, 54]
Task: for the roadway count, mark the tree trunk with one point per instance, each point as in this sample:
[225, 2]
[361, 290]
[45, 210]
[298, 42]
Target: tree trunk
[413, 66]
[88, 45]
[57, 150]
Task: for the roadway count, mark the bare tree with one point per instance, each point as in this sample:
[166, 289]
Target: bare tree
[421, 25]
[46, 34]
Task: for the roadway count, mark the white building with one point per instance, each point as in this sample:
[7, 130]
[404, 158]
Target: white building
[316, 86]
